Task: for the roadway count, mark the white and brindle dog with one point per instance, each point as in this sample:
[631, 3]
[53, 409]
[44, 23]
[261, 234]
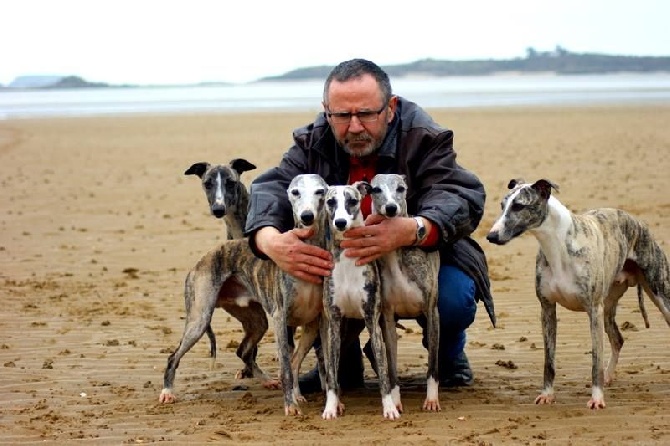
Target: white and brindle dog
[290, 301]
[586, 262]
[228, 198]
[409, 288]
[354, 292]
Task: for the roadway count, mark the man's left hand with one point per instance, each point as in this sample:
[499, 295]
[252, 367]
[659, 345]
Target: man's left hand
[379, 236]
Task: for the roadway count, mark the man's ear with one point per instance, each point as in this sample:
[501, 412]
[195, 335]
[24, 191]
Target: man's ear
[393, 104]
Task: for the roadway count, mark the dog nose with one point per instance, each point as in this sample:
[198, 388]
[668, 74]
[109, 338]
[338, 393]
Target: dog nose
[340, 223]
[218, 210]
[391, 210]
[494, 237]
[307, 217]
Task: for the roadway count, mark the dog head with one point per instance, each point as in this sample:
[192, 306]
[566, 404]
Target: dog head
[221, 183]
[343, 205]
[524, 207]
[389, 195]
[307, 194]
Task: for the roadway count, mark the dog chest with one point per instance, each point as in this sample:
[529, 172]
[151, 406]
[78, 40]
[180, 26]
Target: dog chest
[306, 303]
[399, 292]
[348, 284]
[561, 287]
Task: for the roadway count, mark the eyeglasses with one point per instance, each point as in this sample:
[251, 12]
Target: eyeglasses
[363, 116]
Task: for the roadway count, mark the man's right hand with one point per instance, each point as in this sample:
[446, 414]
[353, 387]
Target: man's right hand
[289, 251]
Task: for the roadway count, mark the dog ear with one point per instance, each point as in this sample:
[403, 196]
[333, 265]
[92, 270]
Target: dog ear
[514, 182]
[241, 165]
[544, 187]
[197, 169]
[363, 187]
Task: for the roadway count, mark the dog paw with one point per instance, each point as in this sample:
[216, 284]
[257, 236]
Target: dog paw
[545, 398]
[272, 384]
[292, 410]
[595, 404]
[167, 397]
[431, 405]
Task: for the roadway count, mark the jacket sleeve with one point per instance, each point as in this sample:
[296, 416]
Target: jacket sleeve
[442, 190]
[268, 201]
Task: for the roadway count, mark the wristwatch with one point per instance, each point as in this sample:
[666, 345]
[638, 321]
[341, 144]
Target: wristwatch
[421, 232]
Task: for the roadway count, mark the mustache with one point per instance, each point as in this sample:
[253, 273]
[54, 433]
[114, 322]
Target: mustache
[357, 138]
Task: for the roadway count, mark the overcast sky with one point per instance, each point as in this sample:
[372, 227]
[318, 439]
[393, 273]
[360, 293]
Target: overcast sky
[163, 41]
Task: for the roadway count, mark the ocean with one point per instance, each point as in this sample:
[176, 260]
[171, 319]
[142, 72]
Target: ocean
[443, 92]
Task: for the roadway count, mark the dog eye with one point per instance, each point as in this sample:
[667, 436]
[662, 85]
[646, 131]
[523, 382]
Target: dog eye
[295, 192]
[320, 192]
[516, 207]
[331, 202]
[230, 185]
[352, 202]
[208, 184]
[375, 190]
[400, 189]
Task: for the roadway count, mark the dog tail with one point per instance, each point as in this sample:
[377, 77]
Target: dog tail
[653, 262]
[640, 301]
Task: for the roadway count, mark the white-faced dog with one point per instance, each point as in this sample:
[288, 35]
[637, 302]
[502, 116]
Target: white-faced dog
[228, 198]
[351, 291]
[409, 287]
[290, 301]
[585, 263]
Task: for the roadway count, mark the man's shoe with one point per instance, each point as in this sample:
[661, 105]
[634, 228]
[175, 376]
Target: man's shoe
[456, 372]
[310, 382]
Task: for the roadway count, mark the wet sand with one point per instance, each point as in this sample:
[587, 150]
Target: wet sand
[99, 227]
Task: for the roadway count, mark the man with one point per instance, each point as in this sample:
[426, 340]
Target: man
[363, 130]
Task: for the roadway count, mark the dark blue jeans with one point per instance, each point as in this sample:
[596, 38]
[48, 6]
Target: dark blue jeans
[457, 307]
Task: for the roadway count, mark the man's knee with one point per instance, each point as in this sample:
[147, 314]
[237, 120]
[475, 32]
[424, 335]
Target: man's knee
[456, 299]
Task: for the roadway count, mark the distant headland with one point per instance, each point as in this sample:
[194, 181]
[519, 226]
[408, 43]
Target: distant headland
[558, 61]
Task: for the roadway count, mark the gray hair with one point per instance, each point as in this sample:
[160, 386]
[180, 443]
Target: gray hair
[355, 68]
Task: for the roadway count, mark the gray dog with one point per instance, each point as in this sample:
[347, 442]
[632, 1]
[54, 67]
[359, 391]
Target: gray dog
[585, 263]
[228, 198]
[409, 287]
[290, 301]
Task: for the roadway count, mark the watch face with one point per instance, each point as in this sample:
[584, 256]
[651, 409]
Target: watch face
[420, 230]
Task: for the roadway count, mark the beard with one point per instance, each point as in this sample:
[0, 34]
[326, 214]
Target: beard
[360, 145]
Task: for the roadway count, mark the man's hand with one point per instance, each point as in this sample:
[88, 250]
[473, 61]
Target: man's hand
[289, 251]
[379, 236]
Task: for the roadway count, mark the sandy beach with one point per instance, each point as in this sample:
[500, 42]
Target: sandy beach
[100, 226]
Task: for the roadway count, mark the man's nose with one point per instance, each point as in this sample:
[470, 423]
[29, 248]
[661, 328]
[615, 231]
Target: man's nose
[355, 125]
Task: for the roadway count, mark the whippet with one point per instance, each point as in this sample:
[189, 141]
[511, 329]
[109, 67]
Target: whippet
[585, 263]
[351, 291]
[228, 198]
[409, 287]
[290, 301]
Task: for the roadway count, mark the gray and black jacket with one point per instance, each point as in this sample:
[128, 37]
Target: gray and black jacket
[438, 188]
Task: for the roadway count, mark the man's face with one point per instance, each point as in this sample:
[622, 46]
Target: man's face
[359, 135]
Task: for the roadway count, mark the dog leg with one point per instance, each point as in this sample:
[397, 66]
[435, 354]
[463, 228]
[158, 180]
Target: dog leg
[254, 324]
[309, 335]
[330, 342]
[195, 326]
[597, 325]
[612, 330]
[391, 341]
[372, 317]
[432, 402]
[281, 334]
[549, 323]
